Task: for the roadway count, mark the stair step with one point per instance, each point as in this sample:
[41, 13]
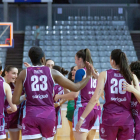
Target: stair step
[136, 42]
[15, 55]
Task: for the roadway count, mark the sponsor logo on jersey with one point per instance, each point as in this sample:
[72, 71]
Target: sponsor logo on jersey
[91, 92]
[39, 96]
[102, 130]
[134, 104]
[59, 88]
[119, 99]
[61, 92]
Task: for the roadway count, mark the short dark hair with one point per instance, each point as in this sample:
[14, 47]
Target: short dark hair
[35, 54]
[61, 70]
[70, 74]
[135, 68]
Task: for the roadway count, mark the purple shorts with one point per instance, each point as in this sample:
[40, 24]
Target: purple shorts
[89, 120]
[36, 127]
[2, 129]
[120, 132]
[11, 121]
[137, 136]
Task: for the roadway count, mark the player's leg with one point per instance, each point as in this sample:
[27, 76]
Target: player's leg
[14, 135]
[6, 135]
[55, 136]
[80, 135]
[91, 134]
[71, 131]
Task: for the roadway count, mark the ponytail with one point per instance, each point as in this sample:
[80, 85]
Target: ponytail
[88, 56]
[61, 70]
[120, 59]
[85, 55]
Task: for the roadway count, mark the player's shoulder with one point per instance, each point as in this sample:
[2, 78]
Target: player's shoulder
[80, 71]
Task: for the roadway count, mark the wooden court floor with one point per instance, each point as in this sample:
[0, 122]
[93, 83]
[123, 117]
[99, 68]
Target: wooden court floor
[64, 132]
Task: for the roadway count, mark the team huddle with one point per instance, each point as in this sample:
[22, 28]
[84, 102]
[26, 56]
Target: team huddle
[30, 101]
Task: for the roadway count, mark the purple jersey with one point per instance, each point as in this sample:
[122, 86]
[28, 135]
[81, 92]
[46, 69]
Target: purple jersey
[2, 98]
[135, 105]
[86, 93]
[58, 90]
[117, 102]
[38, 86]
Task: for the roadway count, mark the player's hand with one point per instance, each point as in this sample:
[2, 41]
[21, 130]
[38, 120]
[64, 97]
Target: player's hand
[127, 87]
[78, 125]
[94, 73]
[57, 97]
[89, 69]
[27, 64]
[9, 110]
[98, 103]
[55, 105]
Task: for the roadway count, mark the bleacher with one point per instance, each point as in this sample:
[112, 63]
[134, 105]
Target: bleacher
[100, 34]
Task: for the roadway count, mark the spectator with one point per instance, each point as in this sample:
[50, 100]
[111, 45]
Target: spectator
[37, 36]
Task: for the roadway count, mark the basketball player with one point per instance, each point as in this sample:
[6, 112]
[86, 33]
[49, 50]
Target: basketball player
[9, 76]
[135, 105]
[38, 81]
[71, 104]
[5, 90]
[83, 97]
[117, 121]
[58, 90]
[49, 63]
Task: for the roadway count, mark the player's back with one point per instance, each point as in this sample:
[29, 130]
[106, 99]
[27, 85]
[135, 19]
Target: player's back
[2, 98]
[86, 93]
[117, 102]
[39, 86]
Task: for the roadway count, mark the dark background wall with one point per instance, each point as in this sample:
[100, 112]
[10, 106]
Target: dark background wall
[32, 14]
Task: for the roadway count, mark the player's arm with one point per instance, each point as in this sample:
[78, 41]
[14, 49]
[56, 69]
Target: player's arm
[8, 93]
[131, 88]
[71, 95]
[66, 83]
[94, 99]
[18, 87]
[68, 96]
[62, 101]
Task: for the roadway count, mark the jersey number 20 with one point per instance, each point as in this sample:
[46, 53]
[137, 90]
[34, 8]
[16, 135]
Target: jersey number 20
[35, 86]
[114, 88]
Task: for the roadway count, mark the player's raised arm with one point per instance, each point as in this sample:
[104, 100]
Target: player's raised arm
[64, 82]
[131, 88]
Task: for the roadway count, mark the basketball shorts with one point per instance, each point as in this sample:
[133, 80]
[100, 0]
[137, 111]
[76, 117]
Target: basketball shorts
[37, 127]
[125, 132]
[2, 129]
[89, 120]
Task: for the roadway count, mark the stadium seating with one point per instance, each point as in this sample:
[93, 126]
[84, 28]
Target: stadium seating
[100, 34]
